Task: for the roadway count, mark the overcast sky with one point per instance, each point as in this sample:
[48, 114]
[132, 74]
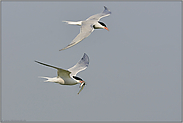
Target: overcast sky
[134, 72]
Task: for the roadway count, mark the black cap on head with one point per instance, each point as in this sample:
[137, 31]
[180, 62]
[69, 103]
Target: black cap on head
[77, 78]
[102, 23]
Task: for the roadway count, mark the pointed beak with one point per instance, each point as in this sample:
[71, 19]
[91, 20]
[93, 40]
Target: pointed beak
[106, 28]
[81, 86]
[82, 83]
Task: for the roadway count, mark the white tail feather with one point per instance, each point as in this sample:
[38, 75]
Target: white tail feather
[48, 79]
[54, 79]
[73, 23]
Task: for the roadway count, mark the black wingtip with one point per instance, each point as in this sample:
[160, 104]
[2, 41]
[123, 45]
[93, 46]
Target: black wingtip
[37, 61]
[85, 55]
[85, 58]
[105, 7]
[62, 49]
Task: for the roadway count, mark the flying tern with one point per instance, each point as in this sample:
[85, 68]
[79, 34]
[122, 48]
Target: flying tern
[88, 26]
[68, 77]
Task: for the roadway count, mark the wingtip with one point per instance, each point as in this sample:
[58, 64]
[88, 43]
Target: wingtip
[86, 58]
[68, 46]
[85, 55]
[63, 49]
[105, 7]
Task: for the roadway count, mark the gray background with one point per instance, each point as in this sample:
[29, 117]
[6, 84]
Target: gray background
[134, 72]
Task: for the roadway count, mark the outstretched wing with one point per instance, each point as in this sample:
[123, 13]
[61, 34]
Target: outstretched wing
[61, 72]
[97, 17]
[80, 66]
[85, 31]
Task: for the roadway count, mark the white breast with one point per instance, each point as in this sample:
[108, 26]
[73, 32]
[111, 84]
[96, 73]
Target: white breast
[70, 82]
[58, 80]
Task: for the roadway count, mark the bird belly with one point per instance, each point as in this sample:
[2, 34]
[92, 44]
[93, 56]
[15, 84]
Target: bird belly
[70, 82]
[59, 80]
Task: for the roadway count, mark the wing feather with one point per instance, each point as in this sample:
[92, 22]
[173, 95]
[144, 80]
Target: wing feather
[97, 17]
[80, 66]
[85, 31]
[64, 74]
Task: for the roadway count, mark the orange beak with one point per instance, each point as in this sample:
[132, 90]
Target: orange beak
[82, 81]
[106, 28]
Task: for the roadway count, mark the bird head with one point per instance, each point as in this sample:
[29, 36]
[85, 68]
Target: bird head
[82, 83]
[103, 25]
[78, 79]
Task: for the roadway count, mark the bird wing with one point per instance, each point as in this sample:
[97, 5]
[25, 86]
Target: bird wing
[80, 66]
[85, 30]
[97, 17]
[64, 74]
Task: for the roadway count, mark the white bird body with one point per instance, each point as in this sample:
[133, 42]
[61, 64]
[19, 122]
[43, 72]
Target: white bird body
[68, 77]
[61, 81]
[88, 26]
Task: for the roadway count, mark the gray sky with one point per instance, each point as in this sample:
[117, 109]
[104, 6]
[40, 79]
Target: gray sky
[134, 72]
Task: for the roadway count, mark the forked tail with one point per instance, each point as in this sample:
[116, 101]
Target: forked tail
[48, 79]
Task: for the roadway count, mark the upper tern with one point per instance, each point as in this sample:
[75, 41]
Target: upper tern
[88, 26]
[68, 77]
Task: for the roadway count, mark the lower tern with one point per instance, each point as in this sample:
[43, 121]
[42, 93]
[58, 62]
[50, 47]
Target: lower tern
[68, 77]
[88, 26]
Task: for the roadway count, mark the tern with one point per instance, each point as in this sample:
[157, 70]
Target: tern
[68, 77]
[88, 26]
